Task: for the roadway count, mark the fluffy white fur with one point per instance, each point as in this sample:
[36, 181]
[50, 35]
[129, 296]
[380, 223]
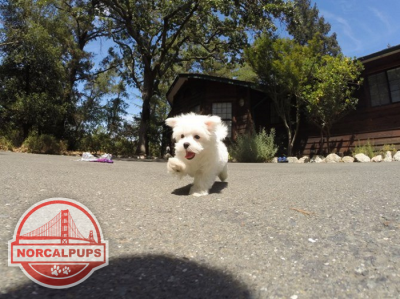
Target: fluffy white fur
[199, 150]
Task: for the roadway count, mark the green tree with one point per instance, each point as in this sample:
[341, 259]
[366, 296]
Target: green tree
[31, 72]
[76, 27]
[43, 49]
[153, 36]
[91, 111]
[283, 68]
[329, 96]
[304, 23]
[115, 110]
[244, 72]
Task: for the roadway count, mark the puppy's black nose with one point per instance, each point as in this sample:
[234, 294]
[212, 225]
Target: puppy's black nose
[186, 145]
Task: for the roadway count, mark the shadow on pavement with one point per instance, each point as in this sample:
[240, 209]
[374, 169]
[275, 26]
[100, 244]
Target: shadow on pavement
[216, 188]
[149, 276]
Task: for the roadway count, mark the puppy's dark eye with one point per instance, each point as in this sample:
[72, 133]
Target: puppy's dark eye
[196, 137]
[182, 136]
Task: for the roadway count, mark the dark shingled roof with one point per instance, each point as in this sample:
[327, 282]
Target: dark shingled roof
[182, 78]
[380, 54]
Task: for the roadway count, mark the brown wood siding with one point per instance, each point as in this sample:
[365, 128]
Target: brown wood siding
[380, 125]
[345, 144]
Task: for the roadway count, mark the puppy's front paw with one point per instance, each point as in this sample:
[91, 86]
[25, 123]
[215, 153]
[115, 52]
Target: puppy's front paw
[175, 166]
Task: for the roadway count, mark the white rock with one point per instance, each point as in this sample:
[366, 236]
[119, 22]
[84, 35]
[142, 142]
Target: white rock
[396, 156]
[362, 158]
[292, 159]
[304, 159]
[274, 160]
[318, 159]
[332, 158]
[377, 158]
[388, 157]
[347, 159]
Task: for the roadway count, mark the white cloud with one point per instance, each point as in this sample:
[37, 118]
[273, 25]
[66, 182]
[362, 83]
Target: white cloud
[382, 17]
[387, 22]
[345, 32]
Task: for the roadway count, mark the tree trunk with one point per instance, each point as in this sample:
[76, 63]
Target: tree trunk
[328, 136]
[147, 94]
[296, 129]
[143, 142]
[321, 143]
[290, 146]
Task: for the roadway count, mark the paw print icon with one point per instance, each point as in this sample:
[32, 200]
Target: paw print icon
[55, 270]
[66, 270]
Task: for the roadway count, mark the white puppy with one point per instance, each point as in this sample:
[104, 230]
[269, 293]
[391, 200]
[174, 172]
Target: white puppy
[199, 150]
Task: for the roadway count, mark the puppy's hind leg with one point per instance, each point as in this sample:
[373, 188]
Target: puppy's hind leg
[224, 173]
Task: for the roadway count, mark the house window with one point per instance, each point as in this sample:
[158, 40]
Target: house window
[394, 83]
[384, 87]
[224, 110]
[378, 88]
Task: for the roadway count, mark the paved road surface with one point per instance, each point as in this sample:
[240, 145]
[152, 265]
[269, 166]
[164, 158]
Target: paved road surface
[248, 239]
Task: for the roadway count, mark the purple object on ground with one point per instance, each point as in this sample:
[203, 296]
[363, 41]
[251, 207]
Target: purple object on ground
[103, 160]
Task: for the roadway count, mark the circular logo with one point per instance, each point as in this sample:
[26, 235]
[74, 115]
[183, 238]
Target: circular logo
[58, 243]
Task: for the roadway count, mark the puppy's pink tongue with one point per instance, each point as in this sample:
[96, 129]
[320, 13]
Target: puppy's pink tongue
[190, 155]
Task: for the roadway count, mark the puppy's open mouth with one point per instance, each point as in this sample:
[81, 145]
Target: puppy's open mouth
[190, 155]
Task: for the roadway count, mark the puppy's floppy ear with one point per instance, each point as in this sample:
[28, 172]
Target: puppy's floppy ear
[212, 122]
[171, 122]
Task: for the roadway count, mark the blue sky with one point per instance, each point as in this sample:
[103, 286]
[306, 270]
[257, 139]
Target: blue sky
[363, 27]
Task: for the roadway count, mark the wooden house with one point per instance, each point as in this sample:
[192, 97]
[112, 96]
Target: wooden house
[243, 106]
[240, 104]
[377, 115]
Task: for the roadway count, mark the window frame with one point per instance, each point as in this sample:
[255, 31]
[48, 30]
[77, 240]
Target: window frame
[389, 87]
[228, 122]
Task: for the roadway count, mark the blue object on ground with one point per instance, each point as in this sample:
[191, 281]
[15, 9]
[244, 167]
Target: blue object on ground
[282, 160]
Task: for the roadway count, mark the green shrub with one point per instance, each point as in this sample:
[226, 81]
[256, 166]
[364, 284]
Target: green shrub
[124, 148]
[387, 148]
[15, 137]
[102, 143]
[98, 142]
[5, 144]
[44, 144]
[367, 149]
[254, 147]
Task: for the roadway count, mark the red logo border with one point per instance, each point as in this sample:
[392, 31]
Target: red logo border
[66, 282]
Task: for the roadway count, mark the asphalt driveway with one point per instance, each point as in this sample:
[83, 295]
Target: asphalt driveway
[271, 231]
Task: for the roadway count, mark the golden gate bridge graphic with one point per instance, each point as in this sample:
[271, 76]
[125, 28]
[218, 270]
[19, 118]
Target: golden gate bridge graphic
[61, 227]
